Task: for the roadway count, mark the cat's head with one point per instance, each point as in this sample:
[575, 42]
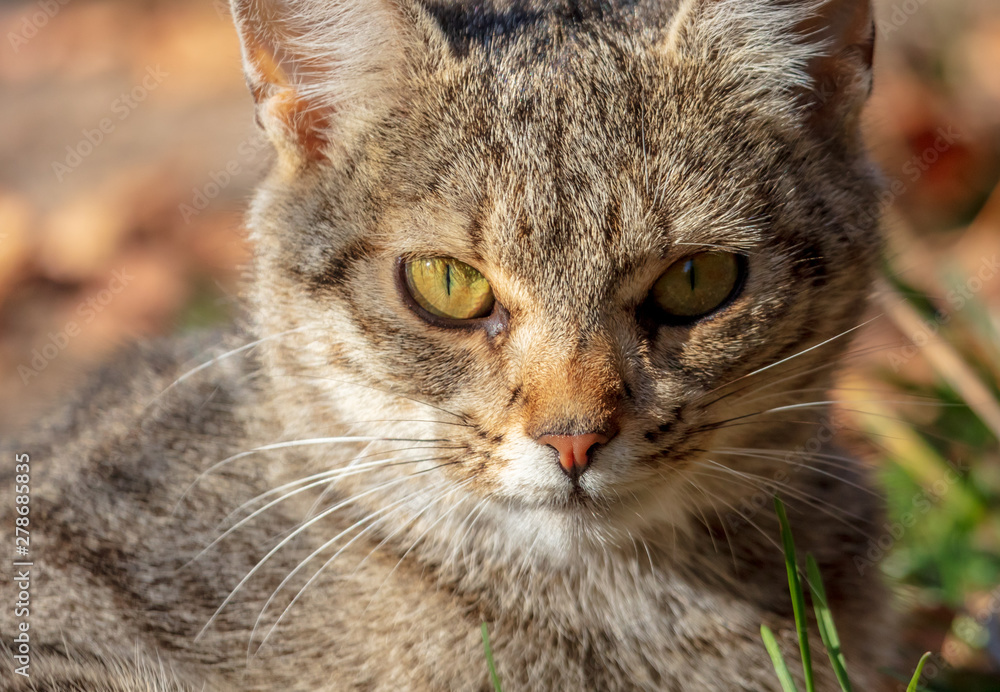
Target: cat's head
[595, 242]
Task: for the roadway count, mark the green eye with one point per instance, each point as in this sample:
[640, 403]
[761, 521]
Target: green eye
[448, 288]
[698, 285]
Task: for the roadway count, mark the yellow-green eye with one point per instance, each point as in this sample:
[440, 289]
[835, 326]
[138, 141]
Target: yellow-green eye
[698, 285]
[448, 288]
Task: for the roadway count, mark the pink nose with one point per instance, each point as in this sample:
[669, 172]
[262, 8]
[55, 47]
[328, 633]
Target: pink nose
[574, 450]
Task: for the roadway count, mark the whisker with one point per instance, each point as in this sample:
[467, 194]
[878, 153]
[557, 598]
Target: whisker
[310, 515]
[410, 420]
[747, 519]
[718, 425]
[704, 519]
[305, 525]
[286, 445]
[846, 357]
[273, 503]
[727, 248]
[413, 545]
[813, 404]
[722, 523]
[339, 552]
[389, 392]
[649, 555]
[324, 478]
[810, 423]
[389, 537]
[768, 484]
[800, 353]
[782, 460]
[479, 507]
[785, 392]
[368, 518]
[219, 358]
[353, 464]
[833, 460]
[797, 372]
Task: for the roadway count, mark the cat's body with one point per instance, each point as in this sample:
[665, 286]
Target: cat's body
[573, 157]
[114, 599]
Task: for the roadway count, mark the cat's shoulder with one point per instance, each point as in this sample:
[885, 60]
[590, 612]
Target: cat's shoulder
[106, 470]
[157, 399]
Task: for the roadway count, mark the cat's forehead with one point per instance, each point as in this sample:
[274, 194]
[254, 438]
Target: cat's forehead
[590, 157]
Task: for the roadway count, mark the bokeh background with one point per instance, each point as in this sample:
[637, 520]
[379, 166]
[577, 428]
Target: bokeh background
[128, 153]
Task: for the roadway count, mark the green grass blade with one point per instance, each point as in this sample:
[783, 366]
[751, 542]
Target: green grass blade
[780, 667]
[489, 659]
[798, 598]
[912, 687]
[827, 629]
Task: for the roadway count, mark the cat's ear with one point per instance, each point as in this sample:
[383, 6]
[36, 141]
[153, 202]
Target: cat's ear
[840, 72]
[820, 51]
[319, 69]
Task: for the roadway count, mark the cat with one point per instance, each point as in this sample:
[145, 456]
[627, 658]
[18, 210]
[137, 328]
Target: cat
[545, 302]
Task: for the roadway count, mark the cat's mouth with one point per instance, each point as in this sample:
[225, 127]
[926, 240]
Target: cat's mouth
[578, 499]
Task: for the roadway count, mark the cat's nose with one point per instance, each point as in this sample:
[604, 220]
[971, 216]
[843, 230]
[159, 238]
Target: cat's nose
[574, 450]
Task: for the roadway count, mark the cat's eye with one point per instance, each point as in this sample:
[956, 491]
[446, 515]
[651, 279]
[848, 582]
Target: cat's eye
[698, 285]
[449, 289]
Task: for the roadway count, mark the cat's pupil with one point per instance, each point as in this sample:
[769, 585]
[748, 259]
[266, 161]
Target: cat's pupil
[689, 269]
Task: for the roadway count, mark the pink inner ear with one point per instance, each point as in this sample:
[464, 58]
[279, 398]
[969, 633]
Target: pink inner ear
[312, 62]
[307, 124]
[278, 101]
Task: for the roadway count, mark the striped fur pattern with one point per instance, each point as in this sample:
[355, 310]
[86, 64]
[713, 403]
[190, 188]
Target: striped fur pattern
[369, 486]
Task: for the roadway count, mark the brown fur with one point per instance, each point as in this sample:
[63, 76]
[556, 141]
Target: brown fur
[571, 152]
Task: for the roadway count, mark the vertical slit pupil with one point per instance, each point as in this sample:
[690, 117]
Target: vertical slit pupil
[689, 268]
[447, 278]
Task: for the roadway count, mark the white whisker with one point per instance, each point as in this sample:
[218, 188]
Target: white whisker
[768, 485]
[819, 345]
[285, 445]
[326, 564]
[325, 478]
[256, 568]
[217, 359]
[387, 509]
[386, 391]
[402, 557]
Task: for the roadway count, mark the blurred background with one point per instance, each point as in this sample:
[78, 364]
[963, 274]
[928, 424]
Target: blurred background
[128, 153]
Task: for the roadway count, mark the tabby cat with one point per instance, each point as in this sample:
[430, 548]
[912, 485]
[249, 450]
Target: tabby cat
[545, 302]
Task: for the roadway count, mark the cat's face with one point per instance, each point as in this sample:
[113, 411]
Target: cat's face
[647, 232]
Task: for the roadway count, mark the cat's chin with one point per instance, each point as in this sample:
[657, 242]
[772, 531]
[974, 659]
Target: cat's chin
[626, 512]
[568, 534]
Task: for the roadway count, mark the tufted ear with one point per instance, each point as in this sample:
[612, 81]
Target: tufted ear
[819, 51]
[319, 69]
